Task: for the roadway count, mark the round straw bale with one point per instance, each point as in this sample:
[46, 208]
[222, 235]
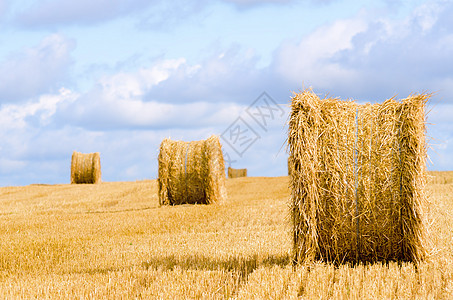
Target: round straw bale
[191, 172]
[357, 179]
[85, 168]
[235, 173]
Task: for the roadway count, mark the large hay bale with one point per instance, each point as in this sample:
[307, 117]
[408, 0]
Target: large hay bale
[235, 173]
[357, 179]
[85, 168]
[191, 172]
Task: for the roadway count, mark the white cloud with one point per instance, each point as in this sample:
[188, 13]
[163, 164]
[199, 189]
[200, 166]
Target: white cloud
[122, 113]
[134, 84]
[310, 61]
[426, 15]
[373, 58]
[117, 102]
[16, 116]
[29, 139]
[35, 70]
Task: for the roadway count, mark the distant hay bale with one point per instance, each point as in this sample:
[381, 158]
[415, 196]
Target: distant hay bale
[235, 173]
[357, 179]
[440, 177]
[191, 172]
[85, 168]
[289, 166]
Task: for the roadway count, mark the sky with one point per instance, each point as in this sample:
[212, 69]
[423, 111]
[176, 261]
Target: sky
[119, 76]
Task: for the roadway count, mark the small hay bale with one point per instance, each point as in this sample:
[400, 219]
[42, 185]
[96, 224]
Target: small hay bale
[357, 179]
[235, 173]
[191, 172]
[85, 168]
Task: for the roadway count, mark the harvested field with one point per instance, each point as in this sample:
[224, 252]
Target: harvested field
[113, 240]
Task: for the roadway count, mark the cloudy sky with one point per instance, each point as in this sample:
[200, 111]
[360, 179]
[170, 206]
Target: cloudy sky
[118, 76]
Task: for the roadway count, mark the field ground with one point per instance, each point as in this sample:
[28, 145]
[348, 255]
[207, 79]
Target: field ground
[112, 240]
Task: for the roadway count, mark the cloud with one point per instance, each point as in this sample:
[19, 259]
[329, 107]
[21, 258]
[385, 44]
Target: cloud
[149, 13]
[3, 6]
[310, 61]
[375, 58]
[117, 102]
[168, 14]
[38, 113]
[124, 114]
[39, 136]
[38, 155]
[82, 12]
[224, 76]
[255, 3]
[31, 144]
[35, 70]
[251, 3]
[412, 56]
[174, 94]
[372, 58]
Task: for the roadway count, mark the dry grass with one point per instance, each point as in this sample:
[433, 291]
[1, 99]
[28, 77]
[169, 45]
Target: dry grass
[112, 240]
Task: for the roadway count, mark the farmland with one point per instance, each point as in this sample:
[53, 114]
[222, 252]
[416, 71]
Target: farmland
[112, 240]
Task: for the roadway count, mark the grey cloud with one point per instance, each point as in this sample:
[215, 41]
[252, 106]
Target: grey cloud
[257, 2]
[413, 61]
[3, 6]
[66, 12]
[231, 76]
[382, 60]
[192, 96]
[168, 14]
[149, 13]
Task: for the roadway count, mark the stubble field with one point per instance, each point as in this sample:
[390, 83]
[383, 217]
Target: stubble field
[112, 240]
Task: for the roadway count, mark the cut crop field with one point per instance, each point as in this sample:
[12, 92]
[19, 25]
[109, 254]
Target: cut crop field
[113, 240]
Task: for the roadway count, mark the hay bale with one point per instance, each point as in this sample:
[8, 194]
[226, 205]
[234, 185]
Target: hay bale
[235, 173]
[191, 172]
[289, 166]
[85, 168]
[357, 179]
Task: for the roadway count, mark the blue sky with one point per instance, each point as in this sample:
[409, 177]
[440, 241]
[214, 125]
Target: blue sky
[118, 76]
